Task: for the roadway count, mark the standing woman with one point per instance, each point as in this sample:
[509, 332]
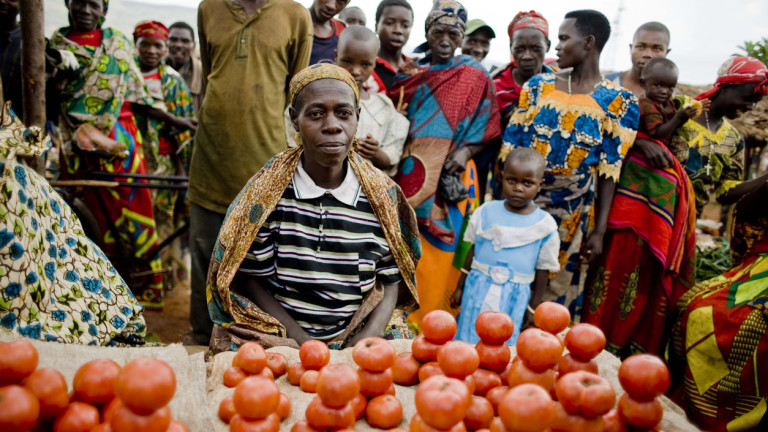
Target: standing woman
[453, 113]
[107, 85]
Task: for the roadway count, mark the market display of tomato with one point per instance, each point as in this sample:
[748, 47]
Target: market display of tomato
[374, 354]
[526, 407]
[442, 401]
[644, 377]
[337, 384]
[145, 385]
[405, 370]
[314, 354]
[552, 317]
[494, 328]
[438, 326]
[384, 412]
[585, 341]
[585, 393]
[458, 359]
[538, 349]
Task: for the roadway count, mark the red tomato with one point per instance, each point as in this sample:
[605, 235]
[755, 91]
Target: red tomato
[314, 354]
[337, 384]
[551, 317]
[497, 425]
[384, 412]
[277, 363]
[493, 357]
[585, 341]
[423, 350]
[302, 426]
[495, 395]
[479, 414]
[19, 409]
[564, 422]
[428, 370]
[125, 420]
[585, 393]
[644, 376]
[177, 426]
[438, 326]
[78, 417]
[295, 371]
[569, 363]
[442, 401]
[458, 359]
[375, 383]
[374, 354]
[526, 408]
[284, 407]
[18, 359]
[320, 416]
[494, 328]
[256, 397]
[104, 427]
[405, 370]
[308, 381]
[145, 385]
[251, 358]
[359, 402]
[538, 349]
[234, 376]
[227, 409]
[519, 373]
[614, 423]
[50, 388]
[485, 380]
[644, 415]
[419, 425]
[94, 382]
[109, 409]
[241, 424]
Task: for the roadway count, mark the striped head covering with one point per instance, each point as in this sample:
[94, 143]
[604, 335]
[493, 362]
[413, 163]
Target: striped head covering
[530, 19]
[447, 12]
[317, 72]
[150, 29]
[739, 70]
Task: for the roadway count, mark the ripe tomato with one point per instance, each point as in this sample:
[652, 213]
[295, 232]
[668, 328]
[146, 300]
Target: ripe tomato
[469, 380]
[585, 393]
[314, 354]
[438, 326]
[227, 409]
[458, 359]
[644, 415]
[359, 402]
[308, 381]
[418, 424]
[442, 401]
[405, 370]
[479, 414]
[145, 385]
[241, 424]
[277, 363]
[295, 372]
[256, 397]
[125, 420]
[283, 407]
[485, 380]
[391, 390]
[538, 349]
[104, 427]
[494, 328]
[320, 416]
[526, 407]
[50, 388]
[78, 417]
[551, 317]
[384, 412]
[428, 370]
[234, 376]
[374, 354]
[302, 426]
[251, 358]
[569, 363]
[375, 383]
[614, 423]
[497, 425]
[18, 359]
[564, 422]
[109, 409]
[519, 373]
[19, 409]
[424, 350]
[177, 426]
[503, 374]
[495, 395]
[644, 376]
[493, 357]
[94, 382]
[337, 384]
[585, 341]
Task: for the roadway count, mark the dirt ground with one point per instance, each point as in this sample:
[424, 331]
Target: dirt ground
[171, 325]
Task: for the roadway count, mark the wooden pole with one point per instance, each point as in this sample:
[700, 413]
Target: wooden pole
[33, 62]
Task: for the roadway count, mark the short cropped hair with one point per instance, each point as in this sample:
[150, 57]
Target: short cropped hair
[358, 33]
[654, 26]
[592, 23]
[660, 62]
[183, 25]
[388, 3]
[526, 154]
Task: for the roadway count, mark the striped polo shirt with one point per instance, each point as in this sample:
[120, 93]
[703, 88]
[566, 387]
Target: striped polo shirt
[320, 252]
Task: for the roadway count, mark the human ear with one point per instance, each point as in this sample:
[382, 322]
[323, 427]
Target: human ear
[294, 115]
[589, 42]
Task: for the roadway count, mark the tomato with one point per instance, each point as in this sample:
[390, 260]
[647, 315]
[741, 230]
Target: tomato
[234, 376]
[50, 388]
[479, 414]
[526, 407]
[428, 370]
[405, 370]
[585, 393]
[104, 427]
[256, 397]
[314, 354]
[177, 426]
[374, 354]
[438, 326]
[145, 385]
[302, 426]
[485, 380]
[494, 328]
[359, 402]
[640, 414]
[308, 381]
[384, 412]
[497, 425]
[283, 407]
[19, 409]
[94, 382]
[519, 373]
[418, 424]
[442, 401]
[505, 373]
[241, 424]
[495, 395]
[614, 423]
[227, 409]
[295, 372]
[423, 350]
[18, 359]
[538, 349]
[585, 341]
[551, 317]
[78, 417]
[375, 383]
[564, 422]
[458, 359]
[337, 384]
[569, 363]
[251, 358]
[125, 420]
[277, 363]
[109, 409]
[469, 381]
[644, 376]
[391, 390]
[320, 416]
[493, 357]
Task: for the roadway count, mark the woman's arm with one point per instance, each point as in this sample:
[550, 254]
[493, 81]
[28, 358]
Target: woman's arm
[593, 247]
[459, 293]
[743, 189]
[379, 318]
[164, 116]
[251, 287]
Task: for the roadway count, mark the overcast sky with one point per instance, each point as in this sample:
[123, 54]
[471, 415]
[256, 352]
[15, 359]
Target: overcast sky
[704, 32]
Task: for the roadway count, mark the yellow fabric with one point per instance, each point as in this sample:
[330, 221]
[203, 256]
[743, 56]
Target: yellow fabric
[704, 359]
[748, 421]
[317, 72]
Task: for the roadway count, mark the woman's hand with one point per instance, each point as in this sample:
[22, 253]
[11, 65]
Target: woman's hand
[456, 161]
[186, 123]
[367, 147]
[656, 156]
[593, 247]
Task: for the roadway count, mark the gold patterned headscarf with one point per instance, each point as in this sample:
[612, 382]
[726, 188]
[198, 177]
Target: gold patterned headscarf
[321, 71]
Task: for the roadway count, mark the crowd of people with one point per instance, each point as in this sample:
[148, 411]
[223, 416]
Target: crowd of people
[340, 188]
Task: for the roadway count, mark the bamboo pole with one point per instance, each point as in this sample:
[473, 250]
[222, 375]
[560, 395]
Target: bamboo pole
[33, 62]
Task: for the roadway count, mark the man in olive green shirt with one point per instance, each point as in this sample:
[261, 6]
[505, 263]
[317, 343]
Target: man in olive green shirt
[250, 49]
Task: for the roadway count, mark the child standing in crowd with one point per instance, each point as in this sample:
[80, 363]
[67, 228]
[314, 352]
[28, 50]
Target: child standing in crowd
[515, 243]
[327, 29]
[394, 20]
[352, 16]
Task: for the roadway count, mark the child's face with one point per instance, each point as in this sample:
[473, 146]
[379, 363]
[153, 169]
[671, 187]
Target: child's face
[659, 84]
[521, 181]
[394, 27]
[327, 9]
[358, 58]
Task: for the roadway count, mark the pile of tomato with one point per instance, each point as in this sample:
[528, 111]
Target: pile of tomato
[104, 398]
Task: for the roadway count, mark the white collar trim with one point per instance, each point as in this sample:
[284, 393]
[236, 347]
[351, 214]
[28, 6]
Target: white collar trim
[348, 191]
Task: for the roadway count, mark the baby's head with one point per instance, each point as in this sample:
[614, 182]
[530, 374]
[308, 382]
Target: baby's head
[659, 79]
[522, 177]
[357, 51]
[352, 15]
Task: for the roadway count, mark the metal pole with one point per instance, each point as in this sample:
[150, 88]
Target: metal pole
[33, 62]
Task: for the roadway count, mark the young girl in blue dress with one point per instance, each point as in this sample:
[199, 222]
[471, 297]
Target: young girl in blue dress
[515, 244]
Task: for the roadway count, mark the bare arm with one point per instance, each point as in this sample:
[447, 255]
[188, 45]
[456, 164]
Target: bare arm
[744, 188]
[379, 318]
[459, 293]
[164, 116]
[675, 122]
[539, 285]
[593, 247]
[251, 287]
